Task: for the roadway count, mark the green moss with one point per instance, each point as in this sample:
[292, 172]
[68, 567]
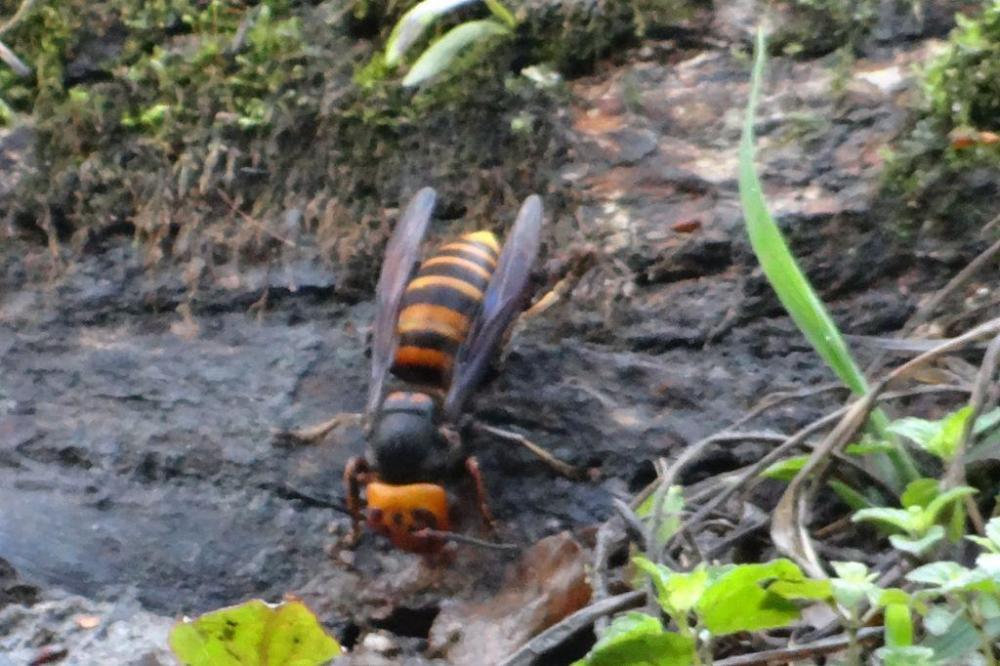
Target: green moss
[949, 148]
[816, 27]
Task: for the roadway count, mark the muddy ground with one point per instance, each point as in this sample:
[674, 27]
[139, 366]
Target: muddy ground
[139, 476]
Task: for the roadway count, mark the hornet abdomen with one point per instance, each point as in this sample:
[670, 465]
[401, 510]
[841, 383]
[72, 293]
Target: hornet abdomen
[438, 306]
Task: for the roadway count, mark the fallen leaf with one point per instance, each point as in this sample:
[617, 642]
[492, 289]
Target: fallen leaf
[548, 583]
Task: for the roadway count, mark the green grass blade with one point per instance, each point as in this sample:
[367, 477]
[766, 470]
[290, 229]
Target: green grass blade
[501, 12]
[413, 23]
[440, 55]
[780, 267]
[787, 279]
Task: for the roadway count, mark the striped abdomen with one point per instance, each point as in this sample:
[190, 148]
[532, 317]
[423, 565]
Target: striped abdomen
[438, 306]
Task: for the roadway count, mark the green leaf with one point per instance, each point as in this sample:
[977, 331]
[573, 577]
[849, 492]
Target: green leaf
[853, 583]
[918, 431]
[670, 521]
[991, 542]
[909, 655]
[937, 573]
[413, 23]
[898, 626]
[987, 436]
[849, 496]
[986, 422]
[443, 52]
[678, 592]
[738, 600]
[502, 13]
[636, 639]
[918, 546]
[989, 563]
[254, 634]
[939, 503]
[944, 444]
[919, 493]
[867, 447]
[892, 595]
[907, 520]
[785, 470]
[802, 590]
[958, 639]
[939, 619]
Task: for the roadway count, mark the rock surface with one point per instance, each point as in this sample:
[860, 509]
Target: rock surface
[138, 466]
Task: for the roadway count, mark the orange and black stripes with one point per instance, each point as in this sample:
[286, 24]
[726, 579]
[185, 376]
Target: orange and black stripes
[438, 306]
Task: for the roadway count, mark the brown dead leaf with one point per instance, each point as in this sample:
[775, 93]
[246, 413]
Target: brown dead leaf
[547, 584]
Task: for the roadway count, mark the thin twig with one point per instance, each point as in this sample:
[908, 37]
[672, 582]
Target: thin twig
[799, 652]
[963, 276]
[693, 451]
[927, 310]
[632, 522]
[559, 633]
[466, 540]
[746, 474]
[774, 399]
[788, 529]
[955, 474]
[609, 534]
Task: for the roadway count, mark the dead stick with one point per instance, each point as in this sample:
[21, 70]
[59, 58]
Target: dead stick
[955, 474]
[559, 633]
[799, 652]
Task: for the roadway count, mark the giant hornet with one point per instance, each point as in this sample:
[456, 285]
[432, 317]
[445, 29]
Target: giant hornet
[439, 326]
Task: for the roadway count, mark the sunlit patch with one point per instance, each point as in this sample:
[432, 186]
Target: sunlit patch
[399, 512]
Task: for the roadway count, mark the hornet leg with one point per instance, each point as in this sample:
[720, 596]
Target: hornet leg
[356, 473]
[472, 469]
[560, 467]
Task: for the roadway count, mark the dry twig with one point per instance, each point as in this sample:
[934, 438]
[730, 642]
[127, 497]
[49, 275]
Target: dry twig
[533, 651]
[800, 652]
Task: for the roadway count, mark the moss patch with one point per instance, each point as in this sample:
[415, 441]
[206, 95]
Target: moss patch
[948, 163]
[219, 131]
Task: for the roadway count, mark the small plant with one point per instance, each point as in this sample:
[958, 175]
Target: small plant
[254, 634]
[443, 53]
[793, 287]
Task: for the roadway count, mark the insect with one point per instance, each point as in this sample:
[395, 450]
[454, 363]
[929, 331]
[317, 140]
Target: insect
[437, 330]
[439, 327]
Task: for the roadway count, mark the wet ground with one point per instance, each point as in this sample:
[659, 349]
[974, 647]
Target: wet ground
[138, 468]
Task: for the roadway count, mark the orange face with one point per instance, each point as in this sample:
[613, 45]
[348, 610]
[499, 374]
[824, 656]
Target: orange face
[399, 512]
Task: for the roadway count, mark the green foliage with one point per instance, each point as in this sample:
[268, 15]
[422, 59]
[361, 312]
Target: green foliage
[640, 640]
[962, 85]
[671, 501]
[815, 27]
[923, 507]
[239, 87]
[957, 126]
[940, 438]
[254, 634]
[443, 54]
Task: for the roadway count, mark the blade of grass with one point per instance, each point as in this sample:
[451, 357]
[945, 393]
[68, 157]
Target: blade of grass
[439, 55]
[790, 283]
[413, 23]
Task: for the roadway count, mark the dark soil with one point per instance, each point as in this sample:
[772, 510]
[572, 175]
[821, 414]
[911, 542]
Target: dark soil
[138, 465]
